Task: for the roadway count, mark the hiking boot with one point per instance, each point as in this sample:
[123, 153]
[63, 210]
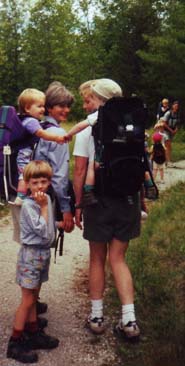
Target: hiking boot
[41, 340]
[129, 332]
[42, 323]
[41, 307]
[17, 349]
[88, 199]
[96, 325]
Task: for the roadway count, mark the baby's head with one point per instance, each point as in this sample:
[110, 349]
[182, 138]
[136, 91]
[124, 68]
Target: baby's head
[30, 99]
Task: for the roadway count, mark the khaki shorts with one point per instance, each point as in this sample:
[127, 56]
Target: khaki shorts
[32, 267]
[113, 218]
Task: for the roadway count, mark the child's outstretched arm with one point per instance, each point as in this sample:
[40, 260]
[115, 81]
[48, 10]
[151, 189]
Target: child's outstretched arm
[89, 121]
[49, 136]
[77, 128]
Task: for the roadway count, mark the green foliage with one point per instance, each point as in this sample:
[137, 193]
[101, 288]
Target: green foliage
[139, 44]
[157, 263]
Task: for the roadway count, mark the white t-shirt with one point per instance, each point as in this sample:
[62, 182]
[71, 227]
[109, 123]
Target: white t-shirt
[92, 118]
[84, 144]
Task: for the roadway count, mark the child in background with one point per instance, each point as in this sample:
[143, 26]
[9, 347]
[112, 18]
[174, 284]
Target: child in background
[159, 127]
[31, 103]
[37, 233]
[158, 156]
[162, 108]
[101, 91]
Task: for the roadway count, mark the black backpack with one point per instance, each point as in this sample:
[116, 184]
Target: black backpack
[119, 145]
[158, 155]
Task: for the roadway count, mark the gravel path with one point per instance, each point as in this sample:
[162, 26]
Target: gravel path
[67, 296]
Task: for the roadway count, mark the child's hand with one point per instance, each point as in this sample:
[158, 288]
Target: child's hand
[59, 224]
[67, 138]
[60, 139]
[40, 198]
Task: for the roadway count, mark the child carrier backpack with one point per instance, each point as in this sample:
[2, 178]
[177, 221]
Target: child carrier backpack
[119, 136]
[158, 155]
[13, 136]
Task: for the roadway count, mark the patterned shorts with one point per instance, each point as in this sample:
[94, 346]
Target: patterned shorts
[32, 267]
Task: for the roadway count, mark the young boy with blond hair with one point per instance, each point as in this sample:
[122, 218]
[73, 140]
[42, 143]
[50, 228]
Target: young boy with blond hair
[31, 103]
[37, 234]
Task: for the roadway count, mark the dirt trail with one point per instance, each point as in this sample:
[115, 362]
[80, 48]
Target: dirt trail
[67, 297]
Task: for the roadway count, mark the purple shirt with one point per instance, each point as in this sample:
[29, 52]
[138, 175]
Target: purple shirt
[32, 125]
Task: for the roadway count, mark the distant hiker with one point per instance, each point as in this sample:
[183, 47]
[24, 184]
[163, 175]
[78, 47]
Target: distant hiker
[171, 123]
[163, 107]
[158, 156]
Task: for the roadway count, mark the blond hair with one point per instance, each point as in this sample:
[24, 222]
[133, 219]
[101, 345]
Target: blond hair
[37, 169]
[85, 89]
[28, 97]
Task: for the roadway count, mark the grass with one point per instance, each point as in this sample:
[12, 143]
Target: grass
[157, 263]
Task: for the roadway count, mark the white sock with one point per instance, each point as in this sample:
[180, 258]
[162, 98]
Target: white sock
[128, 314]
[96, 308]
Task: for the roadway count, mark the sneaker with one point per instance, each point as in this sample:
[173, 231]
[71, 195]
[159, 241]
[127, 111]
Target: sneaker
[17, 349]
[42, 323]
[18, 202]
[129, 332]
[41, 340]
[88, 199]
[41, 307]
[96, 325]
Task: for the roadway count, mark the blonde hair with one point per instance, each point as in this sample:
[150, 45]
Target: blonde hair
[28, 97]
[85, 89]
[165, 100]
[37, 169]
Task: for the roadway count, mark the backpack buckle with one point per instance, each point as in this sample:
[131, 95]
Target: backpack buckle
[6, 150]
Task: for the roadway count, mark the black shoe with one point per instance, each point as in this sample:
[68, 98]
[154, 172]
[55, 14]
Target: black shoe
[17, 349]
[41, 340]
[88, 199]
[42, 323]
[41, 307]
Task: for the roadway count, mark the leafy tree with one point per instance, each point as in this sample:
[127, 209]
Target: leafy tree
[11, 25]
[164, 58]
[49, 44]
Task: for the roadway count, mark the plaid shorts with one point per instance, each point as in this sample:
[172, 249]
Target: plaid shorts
[32, 266]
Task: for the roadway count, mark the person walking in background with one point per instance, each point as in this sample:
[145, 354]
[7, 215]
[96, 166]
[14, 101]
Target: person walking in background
[108, 226]
[37, 233]
[171, 124]
[158, 156]
[163, 107]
